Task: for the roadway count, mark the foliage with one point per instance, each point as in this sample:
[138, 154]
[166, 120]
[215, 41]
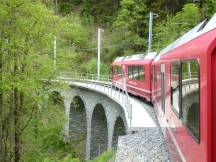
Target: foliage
[167, 7]
[65, 6]
[133, 19]
[100, 12]
[209, 7]
[26, 47]
[71, 42]
[175, 26]
[91, 67]
[31, 126]
[105, 157]
[44, 136]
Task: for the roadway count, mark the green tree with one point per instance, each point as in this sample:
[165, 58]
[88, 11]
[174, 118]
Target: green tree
[209, 7]
[133, 21]
[175, 26]
[25, 28]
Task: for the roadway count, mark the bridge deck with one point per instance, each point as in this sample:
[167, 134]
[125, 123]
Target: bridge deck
[140, 117]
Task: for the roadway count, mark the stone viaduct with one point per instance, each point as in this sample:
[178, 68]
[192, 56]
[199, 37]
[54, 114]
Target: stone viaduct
[94, 118]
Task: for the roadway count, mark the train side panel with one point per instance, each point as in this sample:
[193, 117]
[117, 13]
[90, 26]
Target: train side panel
[184, 145]
[117, 74]
[136, 86]
[213, 100]
[140, 88]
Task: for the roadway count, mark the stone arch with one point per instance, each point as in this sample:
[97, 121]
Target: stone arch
[119, 130]
[99, 132]
[78, 126]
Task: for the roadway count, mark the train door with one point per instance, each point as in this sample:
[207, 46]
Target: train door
[163, 82]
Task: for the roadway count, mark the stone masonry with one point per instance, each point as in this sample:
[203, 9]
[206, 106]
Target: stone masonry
[95, 114]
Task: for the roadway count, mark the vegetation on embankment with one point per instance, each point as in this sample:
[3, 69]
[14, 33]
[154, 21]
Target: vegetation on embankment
[107, 156]
[31, 125]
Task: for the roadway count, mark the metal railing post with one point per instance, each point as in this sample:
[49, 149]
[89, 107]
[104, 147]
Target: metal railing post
[106, 85]
[123, 97]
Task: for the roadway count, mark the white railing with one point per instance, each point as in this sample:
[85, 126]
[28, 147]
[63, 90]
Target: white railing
[104, 85]
[189, 86]
[87, 76]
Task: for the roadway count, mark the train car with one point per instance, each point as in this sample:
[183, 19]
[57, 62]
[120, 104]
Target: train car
[184, 93]
[133, 73]
[117, 73]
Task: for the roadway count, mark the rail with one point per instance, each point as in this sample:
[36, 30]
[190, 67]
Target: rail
[104, 85]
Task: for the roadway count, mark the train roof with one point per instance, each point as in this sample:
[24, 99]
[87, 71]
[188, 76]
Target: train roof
[137, 57]
[202, 28]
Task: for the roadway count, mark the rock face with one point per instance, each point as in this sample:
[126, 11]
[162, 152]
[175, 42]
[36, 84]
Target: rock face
[146, 146]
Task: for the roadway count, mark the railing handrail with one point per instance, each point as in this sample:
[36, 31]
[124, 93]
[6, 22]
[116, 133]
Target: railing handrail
[106, 83]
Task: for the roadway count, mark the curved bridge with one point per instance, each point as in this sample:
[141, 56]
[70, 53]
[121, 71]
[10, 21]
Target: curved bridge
[99, 113]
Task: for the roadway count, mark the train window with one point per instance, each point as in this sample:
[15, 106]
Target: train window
[130, 72]
[174, 87]
[141, 72]
[190, 96]
[135, 72]
[117, 70]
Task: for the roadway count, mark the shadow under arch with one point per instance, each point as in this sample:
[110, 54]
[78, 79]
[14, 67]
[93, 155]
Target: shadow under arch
[119, 130]
[99, 132]
[78, 126]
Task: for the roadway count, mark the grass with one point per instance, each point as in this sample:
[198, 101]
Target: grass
[105, 157]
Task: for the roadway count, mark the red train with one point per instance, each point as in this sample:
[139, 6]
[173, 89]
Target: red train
[135, 73]
[180, 81]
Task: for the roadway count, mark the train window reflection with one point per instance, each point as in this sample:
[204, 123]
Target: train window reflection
[136, 72]
[190, 96]
[117, 70]
[141, 73]
[174, 81]
[130, 72]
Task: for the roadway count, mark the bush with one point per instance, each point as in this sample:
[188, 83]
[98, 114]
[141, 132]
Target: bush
[105, 157]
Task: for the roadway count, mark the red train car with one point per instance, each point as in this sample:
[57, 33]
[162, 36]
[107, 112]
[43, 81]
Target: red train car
[133, 73]
[184, 94]
[181, 83]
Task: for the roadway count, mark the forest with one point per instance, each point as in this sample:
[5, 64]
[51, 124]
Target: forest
[31, 118]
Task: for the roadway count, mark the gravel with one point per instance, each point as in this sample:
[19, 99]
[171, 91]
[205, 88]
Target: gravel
[148, 145]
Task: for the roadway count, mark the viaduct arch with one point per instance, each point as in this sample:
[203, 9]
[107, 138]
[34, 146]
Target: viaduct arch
[119, 130]
[78, 125]
[94, 119]
[99, 132]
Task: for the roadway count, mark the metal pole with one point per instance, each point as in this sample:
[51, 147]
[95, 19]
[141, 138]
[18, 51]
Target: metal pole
[54, 53]
[99, 44]
[150, 32]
